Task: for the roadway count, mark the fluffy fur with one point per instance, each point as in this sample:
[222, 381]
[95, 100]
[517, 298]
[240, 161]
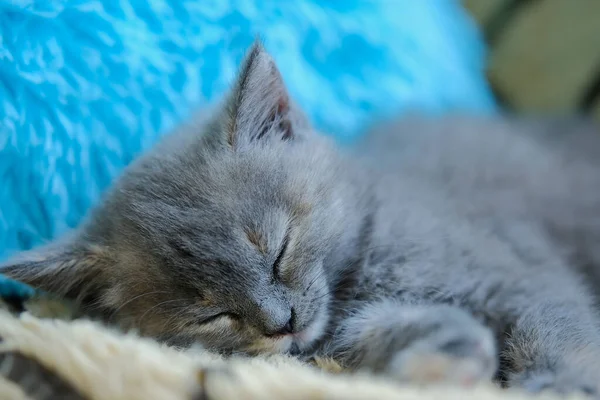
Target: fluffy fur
[82, 360]
[455, 243]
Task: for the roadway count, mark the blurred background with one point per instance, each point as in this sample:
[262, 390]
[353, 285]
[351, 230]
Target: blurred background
[544, 55]
[85, 85]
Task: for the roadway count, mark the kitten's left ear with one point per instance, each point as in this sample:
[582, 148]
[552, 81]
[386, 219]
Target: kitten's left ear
[259, 108]
[73, 270]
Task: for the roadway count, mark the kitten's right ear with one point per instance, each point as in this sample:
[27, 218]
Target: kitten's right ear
[259, 107]
[74, 271]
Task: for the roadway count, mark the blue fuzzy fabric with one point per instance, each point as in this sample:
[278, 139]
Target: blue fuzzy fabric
[85, 86]
[14, 290]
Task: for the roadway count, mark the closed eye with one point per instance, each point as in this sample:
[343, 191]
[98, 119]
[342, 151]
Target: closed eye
[277, 263]
[216, 317]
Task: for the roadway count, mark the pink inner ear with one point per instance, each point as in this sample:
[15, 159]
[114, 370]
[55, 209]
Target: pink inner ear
[283, 104]
[283, 108]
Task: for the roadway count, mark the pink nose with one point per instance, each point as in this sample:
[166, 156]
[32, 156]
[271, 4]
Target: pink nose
[287, 329]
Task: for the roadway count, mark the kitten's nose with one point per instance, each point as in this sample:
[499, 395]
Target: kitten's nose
[287, 329]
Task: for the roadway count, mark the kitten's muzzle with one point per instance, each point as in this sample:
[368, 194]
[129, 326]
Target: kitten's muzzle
[287, 329]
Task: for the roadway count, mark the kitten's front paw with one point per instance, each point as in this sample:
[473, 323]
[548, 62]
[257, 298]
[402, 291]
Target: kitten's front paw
[458, 350]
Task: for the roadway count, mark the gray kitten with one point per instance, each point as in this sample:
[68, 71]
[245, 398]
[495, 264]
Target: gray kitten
[436, 250]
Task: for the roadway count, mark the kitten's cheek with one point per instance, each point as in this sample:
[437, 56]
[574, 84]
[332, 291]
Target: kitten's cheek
[220, 334]
[314, 331]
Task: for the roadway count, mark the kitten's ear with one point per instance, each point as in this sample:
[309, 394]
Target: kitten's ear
[75, 271]
[259, 108]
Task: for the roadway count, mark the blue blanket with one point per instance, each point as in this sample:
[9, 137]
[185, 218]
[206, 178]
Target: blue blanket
[87, 85]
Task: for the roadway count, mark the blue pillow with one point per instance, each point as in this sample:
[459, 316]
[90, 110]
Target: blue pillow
[87, 85]
[13, 290]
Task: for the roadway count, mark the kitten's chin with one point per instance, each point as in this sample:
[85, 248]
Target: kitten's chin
[313, 332]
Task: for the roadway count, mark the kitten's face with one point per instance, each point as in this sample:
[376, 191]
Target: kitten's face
[239, 237]
[216, 237]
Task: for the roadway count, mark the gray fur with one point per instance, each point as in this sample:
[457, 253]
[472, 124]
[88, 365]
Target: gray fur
[453, 244]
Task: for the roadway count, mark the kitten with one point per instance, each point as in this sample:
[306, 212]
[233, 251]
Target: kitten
[434, 250]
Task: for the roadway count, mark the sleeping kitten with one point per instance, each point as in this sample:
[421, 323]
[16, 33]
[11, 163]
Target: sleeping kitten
[436, 250]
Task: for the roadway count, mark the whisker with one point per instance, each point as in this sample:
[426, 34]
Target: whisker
[179, 316]
[113, 314]
[327, 293]
[315, 279]
[156, 306]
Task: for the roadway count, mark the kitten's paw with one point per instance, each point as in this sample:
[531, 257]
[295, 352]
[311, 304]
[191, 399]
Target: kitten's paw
[458, 350]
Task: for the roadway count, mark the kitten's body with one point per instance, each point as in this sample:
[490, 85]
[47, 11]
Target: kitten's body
[497, 216]
[411, 255]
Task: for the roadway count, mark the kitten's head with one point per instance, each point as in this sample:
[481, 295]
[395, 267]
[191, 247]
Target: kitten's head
[218, 235]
